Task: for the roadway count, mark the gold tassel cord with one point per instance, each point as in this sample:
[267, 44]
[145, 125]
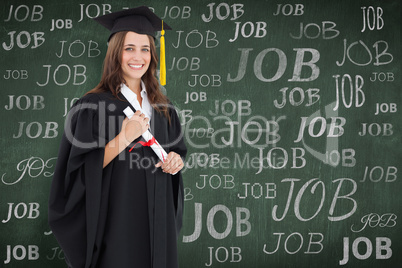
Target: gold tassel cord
[162, 64]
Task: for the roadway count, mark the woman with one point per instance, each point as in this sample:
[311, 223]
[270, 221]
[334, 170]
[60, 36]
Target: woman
[112, 206]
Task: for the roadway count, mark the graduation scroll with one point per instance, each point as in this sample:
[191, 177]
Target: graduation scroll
[148, 137]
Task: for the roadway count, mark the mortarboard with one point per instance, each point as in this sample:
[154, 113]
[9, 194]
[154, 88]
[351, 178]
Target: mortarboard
[140, 20]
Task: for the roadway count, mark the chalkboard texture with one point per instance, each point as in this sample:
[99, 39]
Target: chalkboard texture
[291, 112]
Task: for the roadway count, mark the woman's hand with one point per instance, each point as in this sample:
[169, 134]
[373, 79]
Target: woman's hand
[172, 164]
[130, 130]
[134, 127]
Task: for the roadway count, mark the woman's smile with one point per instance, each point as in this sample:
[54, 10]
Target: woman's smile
[136, 57]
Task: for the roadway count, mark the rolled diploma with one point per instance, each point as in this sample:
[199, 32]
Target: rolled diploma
[160, 152]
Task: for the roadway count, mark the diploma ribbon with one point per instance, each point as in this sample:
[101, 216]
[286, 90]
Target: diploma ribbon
[151, 141]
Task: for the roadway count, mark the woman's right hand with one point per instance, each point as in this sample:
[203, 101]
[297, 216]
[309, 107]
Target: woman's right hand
[134, 127]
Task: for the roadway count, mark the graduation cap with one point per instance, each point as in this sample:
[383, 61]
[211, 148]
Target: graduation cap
[142, 21]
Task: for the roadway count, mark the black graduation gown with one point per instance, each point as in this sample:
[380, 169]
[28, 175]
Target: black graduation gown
[128, 214]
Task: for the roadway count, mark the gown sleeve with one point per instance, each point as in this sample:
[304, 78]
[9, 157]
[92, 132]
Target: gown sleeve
[178, 146]
[75, 194]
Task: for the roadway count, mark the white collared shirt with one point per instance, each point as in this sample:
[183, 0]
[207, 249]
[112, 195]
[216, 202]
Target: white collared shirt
[146, 107]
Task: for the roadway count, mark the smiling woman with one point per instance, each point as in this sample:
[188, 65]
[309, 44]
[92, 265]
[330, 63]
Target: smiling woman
[135, 60]
[110, 206]
[113, 70]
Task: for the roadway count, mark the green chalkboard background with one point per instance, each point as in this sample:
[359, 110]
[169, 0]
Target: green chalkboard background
[331, 192]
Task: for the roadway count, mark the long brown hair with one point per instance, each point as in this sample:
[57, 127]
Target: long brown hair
[112, 76]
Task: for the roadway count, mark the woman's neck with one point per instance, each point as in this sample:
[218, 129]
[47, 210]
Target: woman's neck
[134, 85]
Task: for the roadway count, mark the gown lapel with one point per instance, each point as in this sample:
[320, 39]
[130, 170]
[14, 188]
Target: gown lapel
[156, 191]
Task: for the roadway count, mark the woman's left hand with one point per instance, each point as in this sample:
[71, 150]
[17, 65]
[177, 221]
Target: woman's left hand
[172, 164]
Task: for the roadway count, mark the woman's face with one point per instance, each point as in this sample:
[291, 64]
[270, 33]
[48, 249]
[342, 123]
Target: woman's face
[136, 56]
